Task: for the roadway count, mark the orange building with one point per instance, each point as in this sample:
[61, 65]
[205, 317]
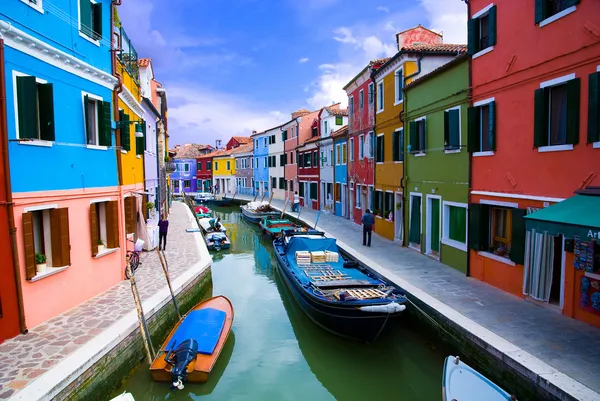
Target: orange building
[534, 140]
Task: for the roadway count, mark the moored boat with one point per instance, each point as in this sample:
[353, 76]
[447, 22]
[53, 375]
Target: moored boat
[208, 228]
[203, 197]
[216, 241]
[463, 383]
[337, 295]
[192, 348]
[219, 200]
[275, 226]
[256, 211]
[202, 211]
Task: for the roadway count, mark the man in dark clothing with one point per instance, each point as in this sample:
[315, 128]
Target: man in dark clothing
[163, 228]
[368, 221]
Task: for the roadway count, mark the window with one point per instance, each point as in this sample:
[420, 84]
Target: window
[361, 100]
[337, 192]
[399, 85]
[283, 159]
[216, 165]
[186, 183]
[291, 185]
[331, 156]
[291, 157]
[414, 231]
[338, 157]
[37, 4]
[314, 191]
[325, 131]
[97, 121]
[228, 165]
[315, 156]
[199, 166]
[380, 96]
[35, 108]
[455, 225]
[482, 131]
[176, 185]
[380, 153]
[371, 199]
[361, 147]
[482, 31]
[351, 105]
[315, 132]
[594, 108]
[452, 129]
[371, 92]
[301, 189]
[418, 136]
[398, 145]
[358, 197]
[351, 150]
[284, 136]
[208, 165]
[104, 225]
[199, 184]
[378, 203]
[344, 152]
[90, 19]
[281, 183]
[556, 118]
[273, 182]
[371, 144]
[339, 120]
[265, 162]
[46, 232]
[237, 163]
[264, 142]
[388, 206]
[548, 8]
[256, 144]
[186, 167]
[272, 139]
[131, 214]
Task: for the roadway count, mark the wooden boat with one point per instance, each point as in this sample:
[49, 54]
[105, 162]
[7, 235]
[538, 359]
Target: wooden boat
[463, 383]
[216, 241]
[192, 348]
[337, 295]
[207, 228]
[274, 226]
[202, 212]
[256, 211]
[219, 200]
[203, 197]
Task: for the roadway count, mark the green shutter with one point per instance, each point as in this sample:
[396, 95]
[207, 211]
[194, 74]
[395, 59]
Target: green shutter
[540, 10]
[382, 151]
[85, 17]
[569, 3]
[423, 136]
[517, 247]
[26, 100]
[104, 114]
[473, 142]
[473, 32]
[540, 129]
[401, 145]
[46, 107]
[125, 132]
[492, 125]
[594, 108]
[412, 128]
[97, 22]
[395, 145]
[479, 226]
[414, 234]
[446, 129]
[454, 129]
[140, 143]
[492, 26]
[573, 101]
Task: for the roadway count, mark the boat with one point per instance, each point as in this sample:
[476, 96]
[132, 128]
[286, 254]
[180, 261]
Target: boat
[338, 295]
[207, 228]
[202, 212]
[203, 197]
[215, 241]
[123, 397]
[274, 226]
[463, 383]
[219, 200]
[192, 348]
[255, 211]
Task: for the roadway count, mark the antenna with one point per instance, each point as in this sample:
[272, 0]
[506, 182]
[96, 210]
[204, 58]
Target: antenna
[217, 143]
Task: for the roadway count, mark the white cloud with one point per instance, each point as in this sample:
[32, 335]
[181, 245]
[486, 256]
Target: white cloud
[384, 9]
[448, 17]
[303, 60]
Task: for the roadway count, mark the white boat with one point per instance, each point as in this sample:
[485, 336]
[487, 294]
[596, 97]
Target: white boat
[207, 228]
[204, 197]
[123, 397]
[255, 211]
[461, 382]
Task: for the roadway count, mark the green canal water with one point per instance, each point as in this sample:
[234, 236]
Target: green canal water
[276, 353]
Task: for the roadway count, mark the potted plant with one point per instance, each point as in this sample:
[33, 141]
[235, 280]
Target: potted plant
[101, 247]
[40, 262]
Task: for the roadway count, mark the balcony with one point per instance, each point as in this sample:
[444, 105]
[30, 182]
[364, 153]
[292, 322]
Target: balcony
[127, 54]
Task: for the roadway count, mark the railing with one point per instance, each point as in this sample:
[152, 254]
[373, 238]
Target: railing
[127, 55]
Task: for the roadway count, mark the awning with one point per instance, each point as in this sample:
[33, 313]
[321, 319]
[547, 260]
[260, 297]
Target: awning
[578, 215]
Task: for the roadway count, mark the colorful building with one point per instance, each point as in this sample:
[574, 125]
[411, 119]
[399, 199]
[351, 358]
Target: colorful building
[330, 119]
[244, 171]
[59, 125]
[308, 172]
[276, 161]
[290, 142]
[184, 176]
[435, 109]
[237, 141]
[204, 172]
[540, 139]
[307, 128]
[261, 163]
[419, 51]
[361, 121]
[151, 166]
[224, 172]
[340, 175]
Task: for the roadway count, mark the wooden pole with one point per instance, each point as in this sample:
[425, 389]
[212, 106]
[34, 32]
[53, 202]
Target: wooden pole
[162, 263]
[263, 197]
[284, 207]
[255, 195]
[141, 320]
[271, 197]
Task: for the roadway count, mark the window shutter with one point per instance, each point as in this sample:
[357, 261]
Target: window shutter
[492, 26]
[130, 214]
[573, 101]
[412, 128]
[569, 3]
[26, 101]
[447, 142]
[46, 107]
[85, 15]
[473, 143]
[94, 235]
[423, 136]
[125, 134]
[382, 151]
[473, 36]
[140, 143]
[540, 10]
[86, 100]
[112, 224]
[492, 125]
[97, 21]
[478, 226]
[145, 206]
[401, 145]
[414, 234]
[540, 131]
[59, 229]
[593, 108]
[395, 140]
[28, 243]
[517, 247]
[454, 121]
[105, 123]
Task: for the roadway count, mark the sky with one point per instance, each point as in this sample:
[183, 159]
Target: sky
[234, 66]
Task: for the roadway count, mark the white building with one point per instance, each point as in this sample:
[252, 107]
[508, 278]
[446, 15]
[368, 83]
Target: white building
[277, 162]
[331, 119]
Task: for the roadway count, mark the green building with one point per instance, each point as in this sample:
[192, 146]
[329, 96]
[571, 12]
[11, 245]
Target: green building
[437, 163]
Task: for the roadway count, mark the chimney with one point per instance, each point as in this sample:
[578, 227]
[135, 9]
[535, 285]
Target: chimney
[300, 113]
[253, 131]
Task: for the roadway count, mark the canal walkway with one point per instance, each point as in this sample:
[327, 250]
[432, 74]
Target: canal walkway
[557, 349]
[37, 365]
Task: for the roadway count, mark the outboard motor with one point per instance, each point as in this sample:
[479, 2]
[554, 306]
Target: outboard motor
[180, 358]
[217, 241]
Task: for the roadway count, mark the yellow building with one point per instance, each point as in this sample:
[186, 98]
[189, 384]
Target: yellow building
[223, 164]
[420, 51]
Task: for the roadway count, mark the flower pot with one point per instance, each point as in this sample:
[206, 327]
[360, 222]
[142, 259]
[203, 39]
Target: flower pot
[101, 248]
[40, 268]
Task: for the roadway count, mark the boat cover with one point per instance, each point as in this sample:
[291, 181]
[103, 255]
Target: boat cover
[204, 326]
[312, 245]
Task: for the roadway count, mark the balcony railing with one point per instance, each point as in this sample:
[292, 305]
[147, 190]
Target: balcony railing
[245, 190]
[127, 54]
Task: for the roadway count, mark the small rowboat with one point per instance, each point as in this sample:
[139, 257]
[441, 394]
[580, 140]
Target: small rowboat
[463, 383]
[217, 241]
[202, 212]
[255, 211]
[192, 348]
[274, 226]
[207, 228]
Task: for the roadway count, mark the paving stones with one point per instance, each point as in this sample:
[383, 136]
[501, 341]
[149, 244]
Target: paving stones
[33, 354]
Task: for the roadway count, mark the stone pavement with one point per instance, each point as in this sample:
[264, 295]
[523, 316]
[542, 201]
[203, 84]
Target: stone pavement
[568, 345]
[28, 356]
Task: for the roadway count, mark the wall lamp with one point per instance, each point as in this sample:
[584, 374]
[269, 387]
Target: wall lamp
[139, 129]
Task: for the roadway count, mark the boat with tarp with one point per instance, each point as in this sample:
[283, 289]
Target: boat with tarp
[274, 226]
[192, 348]
[216, 241]
[211, 225]
[256, 211]
[202, 212]
[338, 295]
[203, 197]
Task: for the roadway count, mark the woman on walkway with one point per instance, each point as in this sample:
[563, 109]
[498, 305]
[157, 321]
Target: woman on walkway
[296, 206]
[163, 229]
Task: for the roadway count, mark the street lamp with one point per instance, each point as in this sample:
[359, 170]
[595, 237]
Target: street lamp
[139, 128]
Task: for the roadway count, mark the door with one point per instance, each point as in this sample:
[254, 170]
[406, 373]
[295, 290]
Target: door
[343, 199]
[351, 203]
[433, 233]
[414, 233]
[555, 288]
[398, 218]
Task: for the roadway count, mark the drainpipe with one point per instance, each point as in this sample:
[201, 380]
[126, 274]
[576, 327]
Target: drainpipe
[118, 89]
[421, 55]
[157, 188]
[404, 179]
[469, 98]
[9, 200]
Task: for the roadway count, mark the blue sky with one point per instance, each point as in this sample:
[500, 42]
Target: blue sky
[234, 66]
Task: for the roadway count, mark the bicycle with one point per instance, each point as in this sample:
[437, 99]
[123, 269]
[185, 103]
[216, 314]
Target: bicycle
[133, 258]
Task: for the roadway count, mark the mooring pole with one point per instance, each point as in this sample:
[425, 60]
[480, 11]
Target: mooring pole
[162, 263]
[141, 320]
[317, 220]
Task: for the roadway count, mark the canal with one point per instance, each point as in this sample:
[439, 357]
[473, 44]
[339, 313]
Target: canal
[276, 353]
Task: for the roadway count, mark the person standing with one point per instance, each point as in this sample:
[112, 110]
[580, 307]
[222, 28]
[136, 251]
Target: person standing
[163, 229]
[368, 221]
[296, 206]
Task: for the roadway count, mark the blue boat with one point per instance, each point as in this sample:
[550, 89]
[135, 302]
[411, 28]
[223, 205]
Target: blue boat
[463, 383]
[337, 295]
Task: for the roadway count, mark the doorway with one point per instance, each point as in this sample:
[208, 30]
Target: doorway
[433, 225]
[398, 218]
[414, 233]
[344, 194]
[557, 261]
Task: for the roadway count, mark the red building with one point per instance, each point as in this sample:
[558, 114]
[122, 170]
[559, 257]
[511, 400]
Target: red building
[534, 139]
[300, 119]
[204, 172]
[236, 141]
[361, 139]
[308, 172]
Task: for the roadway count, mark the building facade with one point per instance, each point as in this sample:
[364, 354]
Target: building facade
[308, 173]
[330, 120]
[204, 173]
[151, 165]
[290, 143]
[340, 175]
[277, 161]
[244, 172]
[224, 172]
[261, 163]
[184, 177]
[540, 138]
[435, 108]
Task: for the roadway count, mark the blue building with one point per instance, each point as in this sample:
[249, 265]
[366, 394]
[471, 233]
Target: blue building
[261, 162]
[184, 177]
[63, 168]
[340, 172]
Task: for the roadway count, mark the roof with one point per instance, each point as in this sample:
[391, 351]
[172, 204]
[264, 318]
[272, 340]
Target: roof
[189, 151]
[340, 132]
[439, 49]
[439, 70]
[570, 217]
[249, 147]
[222, 152]
[242, 139]
[418, 26]
[336, 112]
[373, 62]
[313, 139]
[144, 62]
